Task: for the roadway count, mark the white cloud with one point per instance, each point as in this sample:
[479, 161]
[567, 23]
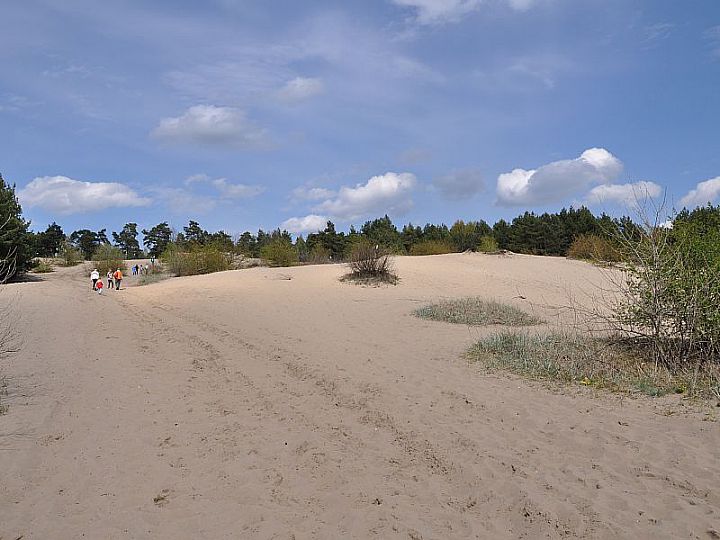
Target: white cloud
[704, 192]
[308, 224]
[712, 35]
[307, 193]
[461, 184]
[386, 193]
[627, 194]
[211, 125]
[557, 180]
[67, 196]
[300, 89]
[225, 188]
[439, 11]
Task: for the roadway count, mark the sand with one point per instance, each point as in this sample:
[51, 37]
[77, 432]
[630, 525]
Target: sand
[281, 403]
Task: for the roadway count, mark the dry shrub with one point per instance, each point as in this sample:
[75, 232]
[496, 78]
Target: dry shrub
[590, 247]
[69, 255]
[370, 264]
[431, 247]
[476, 312]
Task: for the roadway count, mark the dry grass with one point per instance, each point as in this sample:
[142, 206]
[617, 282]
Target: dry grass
[590, 361]
[476, 312]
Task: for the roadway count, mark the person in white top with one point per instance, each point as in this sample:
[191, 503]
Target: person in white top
[94, 276]
[110, 279]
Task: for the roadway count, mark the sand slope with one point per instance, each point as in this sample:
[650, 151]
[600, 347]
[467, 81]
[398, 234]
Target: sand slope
[280, 403]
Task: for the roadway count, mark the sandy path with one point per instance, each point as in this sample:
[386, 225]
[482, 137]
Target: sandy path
[250, 405]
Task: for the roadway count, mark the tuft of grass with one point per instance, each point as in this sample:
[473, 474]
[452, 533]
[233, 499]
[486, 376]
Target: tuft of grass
[476, 312]
[149, 279]
[590, 361]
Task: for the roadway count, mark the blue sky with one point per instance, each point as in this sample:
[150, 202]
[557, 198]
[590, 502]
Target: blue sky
[244, 114]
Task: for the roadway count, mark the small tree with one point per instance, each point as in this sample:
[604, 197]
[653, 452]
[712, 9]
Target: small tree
[108, 258]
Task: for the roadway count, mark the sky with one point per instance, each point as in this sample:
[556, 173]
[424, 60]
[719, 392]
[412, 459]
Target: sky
[242, 114]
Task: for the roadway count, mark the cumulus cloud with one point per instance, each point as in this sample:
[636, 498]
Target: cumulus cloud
[461, 184]
[211, 125]
[67, 196]
[300, 89]
[387, 193]
[627, 194]
[704, 192]
[555, 181]
[438, 11]
[308, 224]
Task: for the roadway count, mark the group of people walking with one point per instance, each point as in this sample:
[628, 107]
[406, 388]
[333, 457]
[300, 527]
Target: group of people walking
[114, 279]
[140, 269]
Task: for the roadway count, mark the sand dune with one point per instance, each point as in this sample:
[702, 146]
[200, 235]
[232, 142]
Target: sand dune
[281, 403]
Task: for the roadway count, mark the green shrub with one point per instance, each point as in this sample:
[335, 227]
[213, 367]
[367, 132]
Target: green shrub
[108, 258]
[69, 255]
[431, 247]
[194, 260]
[487, 244]
[319, 255]
[280, 252]
[591, 247]
[476, 312]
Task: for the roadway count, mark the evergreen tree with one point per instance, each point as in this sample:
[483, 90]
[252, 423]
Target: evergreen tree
[382, 232]
[195, 233]
[49, 242]
[15, 240]
[157, 238]
[86, 241]
[127, 241]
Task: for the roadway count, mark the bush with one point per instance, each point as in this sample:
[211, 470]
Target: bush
[590, 247]
[487, 244]
[195, 260]
[280, 252]
[69, 255]
[431, 247]
[42, 267]
[319, 255]
[370, 264]
[476, 312]
[108, 258]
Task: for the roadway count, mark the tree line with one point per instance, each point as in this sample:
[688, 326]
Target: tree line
[529, 233]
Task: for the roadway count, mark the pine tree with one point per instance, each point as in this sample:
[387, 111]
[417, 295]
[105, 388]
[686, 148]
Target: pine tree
[15, 240]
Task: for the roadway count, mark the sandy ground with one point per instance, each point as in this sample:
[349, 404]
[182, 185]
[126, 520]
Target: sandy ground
[281, 403]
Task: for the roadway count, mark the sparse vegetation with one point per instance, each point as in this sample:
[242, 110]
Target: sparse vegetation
[590, 361]
[153, 277]
[476, 312]
[371, 265]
